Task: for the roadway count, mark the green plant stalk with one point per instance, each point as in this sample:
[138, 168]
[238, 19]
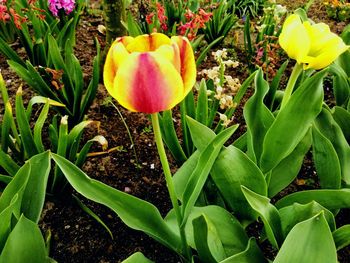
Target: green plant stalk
[169, 182]
[298, 68]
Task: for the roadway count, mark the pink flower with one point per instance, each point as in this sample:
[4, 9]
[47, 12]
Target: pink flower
[67, 5]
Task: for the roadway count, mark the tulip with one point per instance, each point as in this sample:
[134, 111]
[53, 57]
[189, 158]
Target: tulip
[150, 73]
[314, 46]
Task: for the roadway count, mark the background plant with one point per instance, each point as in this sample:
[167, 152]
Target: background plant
[19, 141]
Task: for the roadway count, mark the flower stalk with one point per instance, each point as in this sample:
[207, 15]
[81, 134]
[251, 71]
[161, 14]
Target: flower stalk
[169, 182]
[298, 68]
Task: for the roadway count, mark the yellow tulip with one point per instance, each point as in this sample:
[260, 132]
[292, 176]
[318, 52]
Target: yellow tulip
[312, 45]
[150, 73]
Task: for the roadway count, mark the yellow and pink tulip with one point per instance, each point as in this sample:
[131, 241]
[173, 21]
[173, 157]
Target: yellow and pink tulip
[150, 73]
[312, 45]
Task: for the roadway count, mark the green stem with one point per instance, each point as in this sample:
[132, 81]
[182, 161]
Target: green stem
[169, 182]
[298, 68]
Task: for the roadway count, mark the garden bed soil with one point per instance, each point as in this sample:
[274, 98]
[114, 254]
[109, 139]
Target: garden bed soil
[75, 236]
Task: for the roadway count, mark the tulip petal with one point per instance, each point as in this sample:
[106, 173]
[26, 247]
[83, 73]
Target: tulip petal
[294, 38]
[185, 61]
[147, 82]
[146, 43]
[327, 56]
[116, 54]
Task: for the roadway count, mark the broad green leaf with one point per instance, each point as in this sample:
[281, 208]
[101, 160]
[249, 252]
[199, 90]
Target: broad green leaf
[330, 199]
[39, 126]
[231, 170]
[202, 103]
[6, 219]
[292, 122]
[341, 82]
[180, 178]
[5, 178]
[170, 137]
[251, 254]
[6, 127]
[24, 127]
[137, 257]
[231, 233]
[15, 187]
[35, 191]
[207, 240]
[296, 213]
[269, 215]
[326, 160]
[203, 167]
[286, 171]
[331, 130]
[270, 97]
[134, 212]
[342, 117]
[8, 164]
[309, 241]
[24, 244]
[258, 118]
[341, 237]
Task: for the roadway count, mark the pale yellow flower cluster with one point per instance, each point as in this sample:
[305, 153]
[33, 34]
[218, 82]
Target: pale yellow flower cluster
[225, 85]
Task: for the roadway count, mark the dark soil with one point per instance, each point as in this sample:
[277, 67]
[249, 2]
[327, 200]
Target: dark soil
[75, 236]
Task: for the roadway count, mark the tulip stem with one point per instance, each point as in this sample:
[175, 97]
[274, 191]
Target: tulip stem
[298, 68]
[169, 182]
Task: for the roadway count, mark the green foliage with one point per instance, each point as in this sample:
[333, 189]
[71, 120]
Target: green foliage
[19, 141]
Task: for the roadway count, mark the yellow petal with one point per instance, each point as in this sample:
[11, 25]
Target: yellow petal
[147, 82]
[184, 61]
[146, 43]
[327, 56]
[294, 38]
[115, 56]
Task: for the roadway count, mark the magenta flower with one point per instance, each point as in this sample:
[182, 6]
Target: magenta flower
[67, 5]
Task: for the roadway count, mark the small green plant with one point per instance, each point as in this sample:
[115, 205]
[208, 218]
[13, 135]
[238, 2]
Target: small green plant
[19, 141]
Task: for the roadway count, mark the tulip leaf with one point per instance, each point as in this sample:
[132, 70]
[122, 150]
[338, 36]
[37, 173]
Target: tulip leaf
[268, 213]
[134, 212]
[251, 254]
[292, 122]
[24, 127]
[205, 162]
[270, 97]
[15, 187]
[309, 241]
[8, 164]
[330, 199]
[326, 160]
[24, 244]
[6, 218]
[170, 137]
[331, 130]
[231, 233]
[202, 103]
[208, 243]
[296, 213]
[39, 126]
[258, 117]
[342, 117]
[286, 171]
[35, 191]
[341, 237]
[341, 84]
[182, 175]
[227, 177]
[231, 170]
[137, 257]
